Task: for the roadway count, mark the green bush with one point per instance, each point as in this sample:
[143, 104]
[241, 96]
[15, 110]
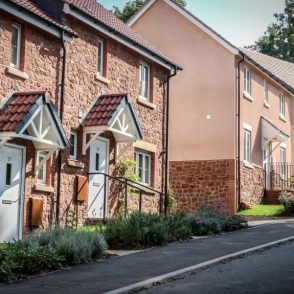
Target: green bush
[209, 220]
[287, 200]
[74, 246]
[141, 230]
[18, 260]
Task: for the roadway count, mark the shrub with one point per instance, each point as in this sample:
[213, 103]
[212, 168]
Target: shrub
[74, 246]
[287, 200]
[140, 230]
[18, 260]
[235, 223]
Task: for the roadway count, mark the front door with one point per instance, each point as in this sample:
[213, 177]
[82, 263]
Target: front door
[11, 167]
[266, 166]
[97, 202]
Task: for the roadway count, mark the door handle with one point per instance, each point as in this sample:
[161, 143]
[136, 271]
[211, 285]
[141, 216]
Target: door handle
[9, 202]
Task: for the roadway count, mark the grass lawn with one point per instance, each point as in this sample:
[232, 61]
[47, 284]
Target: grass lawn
[263, 210]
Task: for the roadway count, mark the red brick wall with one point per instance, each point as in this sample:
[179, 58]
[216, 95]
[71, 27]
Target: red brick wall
[42, 63]
[197, 183]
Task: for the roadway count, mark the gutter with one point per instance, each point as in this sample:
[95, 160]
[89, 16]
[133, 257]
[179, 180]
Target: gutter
[166, 161]
[61, 111]
[238, 123]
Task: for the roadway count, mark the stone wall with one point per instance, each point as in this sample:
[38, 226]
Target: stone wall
[252, 190]
[197, 183]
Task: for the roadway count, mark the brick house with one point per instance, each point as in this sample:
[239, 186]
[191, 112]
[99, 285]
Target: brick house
[231, 112]
[79, 90]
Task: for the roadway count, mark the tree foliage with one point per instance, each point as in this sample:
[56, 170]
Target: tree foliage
[133, 7]
[278, 40]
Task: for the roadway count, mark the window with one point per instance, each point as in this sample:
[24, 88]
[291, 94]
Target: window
[41, 175]
[247, 81]
[247, 146]
[143, 166]
[100, 57]
[283, 161]
[144, 81]
[15, 46]
[265, 92]
[282, 105]
[73, 145]
[8, 174]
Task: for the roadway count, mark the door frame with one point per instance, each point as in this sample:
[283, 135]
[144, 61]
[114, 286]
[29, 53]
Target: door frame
[22, 187]
[107, 141]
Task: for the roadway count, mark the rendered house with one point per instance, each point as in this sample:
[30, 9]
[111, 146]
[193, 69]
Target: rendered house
[79, 90]
[231, 112]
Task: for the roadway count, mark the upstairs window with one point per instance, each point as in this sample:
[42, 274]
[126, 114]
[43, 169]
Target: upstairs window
[100, 69]
[266, 92]
[143, 167]
[15, 46]
[73, 145]
[144, 81]
[247, 146]
[282, 105]
[247, 81]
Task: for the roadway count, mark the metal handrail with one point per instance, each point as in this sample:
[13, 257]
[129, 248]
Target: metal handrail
[132, 184]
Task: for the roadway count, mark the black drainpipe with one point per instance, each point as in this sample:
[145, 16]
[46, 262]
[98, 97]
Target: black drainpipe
[61, 107]
[166, 140]
[239, 133]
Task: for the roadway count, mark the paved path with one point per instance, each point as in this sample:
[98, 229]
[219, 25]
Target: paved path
[268, 272]
[122, 271]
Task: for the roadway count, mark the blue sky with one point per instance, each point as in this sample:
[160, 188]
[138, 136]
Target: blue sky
[240, 21]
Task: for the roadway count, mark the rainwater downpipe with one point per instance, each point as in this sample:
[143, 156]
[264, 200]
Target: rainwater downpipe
[239, 132]
[61, 110]
[167, 140]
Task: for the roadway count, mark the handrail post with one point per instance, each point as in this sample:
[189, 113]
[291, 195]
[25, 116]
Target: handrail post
[104, 203]
[160, 203]
[140, 201]
[126, 197]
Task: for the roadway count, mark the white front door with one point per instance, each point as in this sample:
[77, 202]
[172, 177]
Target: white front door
[11, 167]
[266, 165]
[98, 188]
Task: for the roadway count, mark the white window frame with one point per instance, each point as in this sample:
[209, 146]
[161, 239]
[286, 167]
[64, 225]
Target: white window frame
[144, 154]
[247, 81]
[18, 28]
[142, 82]
[283, 160]
[282, 105]
[39, 156]
[266, 101]
[247, 144]
[100, 62]
[75, 135]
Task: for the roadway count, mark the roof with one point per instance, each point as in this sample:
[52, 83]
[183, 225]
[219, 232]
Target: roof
[189, 16]
[32, 7]
[105, 17]
[280, 70]
[103, 110]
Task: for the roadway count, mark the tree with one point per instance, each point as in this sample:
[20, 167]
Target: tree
[133, 7]
[278, 40]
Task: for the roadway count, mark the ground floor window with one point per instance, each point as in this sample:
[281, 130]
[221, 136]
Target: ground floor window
[143, 166]
[41, 174]
[73, 144]
[247, 146]
[283, 161]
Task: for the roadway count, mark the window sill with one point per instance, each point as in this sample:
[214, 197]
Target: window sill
[16, 72]
[266, 105]
[283, 118]
[44, 188]
[145, 189]
[248, 96]
[248, 165]
[146, 103]
[75, 163]
[102, 79]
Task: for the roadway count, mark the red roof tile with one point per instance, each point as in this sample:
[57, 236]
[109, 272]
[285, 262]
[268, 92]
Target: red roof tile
[98, 12]
[103, 110]
[16, 108]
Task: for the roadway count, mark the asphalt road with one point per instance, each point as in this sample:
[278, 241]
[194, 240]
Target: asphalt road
[270, 271]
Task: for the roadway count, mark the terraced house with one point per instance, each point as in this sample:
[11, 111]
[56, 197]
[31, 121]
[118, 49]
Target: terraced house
[79, 90]
[231, 113]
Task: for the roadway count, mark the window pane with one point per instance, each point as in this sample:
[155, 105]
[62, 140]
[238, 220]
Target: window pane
[8, 174]
[72, 145]
[146, 81]
[97, 163]
[140, 166]
[147, 169]
[15, 33]
[100, 57]
[14, 46]
[42, 170]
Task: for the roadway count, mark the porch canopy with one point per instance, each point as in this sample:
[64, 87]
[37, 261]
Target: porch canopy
[32, 116]
[271, 133]
[112, 113]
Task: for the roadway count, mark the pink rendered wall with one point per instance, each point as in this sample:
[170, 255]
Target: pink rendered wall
[251, 111]
[206, 86]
